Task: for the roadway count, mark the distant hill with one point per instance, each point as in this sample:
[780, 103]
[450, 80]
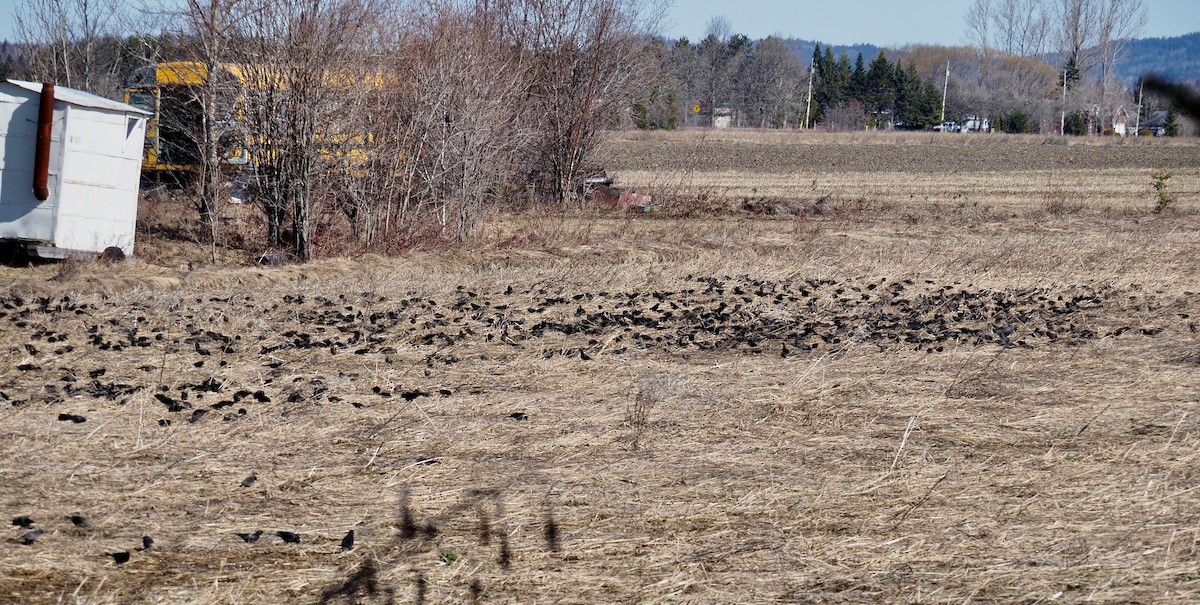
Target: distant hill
[804, 49]
[1176, 58]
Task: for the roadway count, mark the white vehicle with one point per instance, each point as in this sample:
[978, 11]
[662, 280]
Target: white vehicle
[977, 124]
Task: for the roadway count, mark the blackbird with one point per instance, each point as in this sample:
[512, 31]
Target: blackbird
[31, 536]
[288, 537]
[120, 558]
[250, 538]
[23, 521]
[348, 540]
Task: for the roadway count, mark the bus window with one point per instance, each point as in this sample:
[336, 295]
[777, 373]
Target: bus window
[142, 99]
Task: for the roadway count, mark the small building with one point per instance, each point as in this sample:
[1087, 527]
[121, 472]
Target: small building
[1156, 124]
[1120, 120]
[87, 197]
[722, 117]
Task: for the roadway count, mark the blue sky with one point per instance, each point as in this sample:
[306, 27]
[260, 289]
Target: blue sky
[881, 22]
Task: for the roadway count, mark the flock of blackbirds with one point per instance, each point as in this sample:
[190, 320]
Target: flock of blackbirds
[784, 318]
[29, 535]
[730, 315]
[32, 534]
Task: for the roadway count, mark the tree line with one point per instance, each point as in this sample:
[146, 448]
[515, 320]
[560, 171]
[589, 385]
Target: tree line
[377, 124]
[371, 124]
[1044, 66]
[765, 84]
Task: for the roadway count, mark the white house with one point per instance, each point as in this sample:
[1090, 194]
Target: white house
[1120, 122]
[91, 163]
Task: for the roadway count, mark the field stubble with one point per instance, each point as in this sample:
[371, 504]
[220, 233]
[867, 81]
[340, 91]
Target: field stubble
[940, 387]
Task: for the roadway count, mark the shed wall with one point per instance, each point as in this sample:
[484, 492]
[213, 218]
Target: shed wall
[23, 216]
[101, 159]
[95, 161]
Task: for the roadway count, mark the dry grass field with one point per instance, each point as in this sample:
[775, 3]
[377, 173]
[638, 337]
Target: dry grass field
[832, 369]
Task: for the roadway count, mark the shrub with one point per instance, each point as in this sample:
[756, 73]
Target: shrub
[1015, 122]
[1076, 124]
[1158, 180]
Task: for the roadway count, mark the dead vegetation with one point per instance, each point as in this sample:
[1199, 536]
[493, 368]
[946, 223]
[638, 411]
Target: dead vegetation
[997, 408]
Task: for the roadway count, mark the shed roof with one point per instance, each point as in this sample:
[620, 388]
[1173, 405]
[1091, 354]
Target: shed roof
[79, 97]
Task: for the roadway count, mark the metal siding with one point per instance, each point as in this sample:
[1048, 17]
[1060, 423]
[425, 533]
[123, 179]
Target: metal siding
[98, 199]
[95, 164]
[23, 216]
[79, 98]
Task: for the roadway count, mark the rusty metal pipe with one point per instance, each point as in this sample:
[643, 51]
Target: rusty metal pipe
[41, 158]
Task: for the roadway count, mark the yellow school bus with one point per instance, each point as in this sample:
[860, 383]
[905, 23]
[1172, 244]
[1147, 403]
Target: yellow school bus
[171, 93]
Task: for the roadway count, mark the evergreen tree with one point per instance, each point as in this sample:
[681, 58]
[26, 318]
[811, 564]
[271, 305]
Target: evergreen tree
[829, 81]
[912, 99]
[816, 110]
[739, 43]
[858, 81]
[7, 69]
[881, 85]
[1171, 125]
[1014, 122]
[1070, 73]
[832, 79]
[932, 105]
[843, 79]
[1076, 124]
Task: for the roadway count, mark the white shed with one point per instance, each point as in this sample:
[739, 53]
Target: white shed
[91, 176]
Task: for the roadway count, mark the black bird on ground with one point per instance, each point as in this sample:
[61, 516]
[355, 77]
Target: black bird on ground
[147, 542]
[288, 537]
[23, 521]
[250, 538]
[31, 536]
[348, 540]
[78, 520]
[249, 481]
[120, 558]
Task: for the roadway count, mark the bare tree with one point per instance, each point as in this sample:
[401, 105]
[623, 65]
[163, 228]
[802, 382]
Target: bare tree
[461, 124]
[1119, 22]
[1077, 32]
[588, 65]
[1021, 27]
[302, 63]
[770, 83]
[979, 23]
[718, 62]
[67, 39]
[212, 124]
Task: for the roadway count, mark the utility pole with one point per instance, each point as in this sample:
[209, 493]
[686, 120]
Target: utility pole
[1137, 121]
[808, 104]
[1062, 123]
[945, 89]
